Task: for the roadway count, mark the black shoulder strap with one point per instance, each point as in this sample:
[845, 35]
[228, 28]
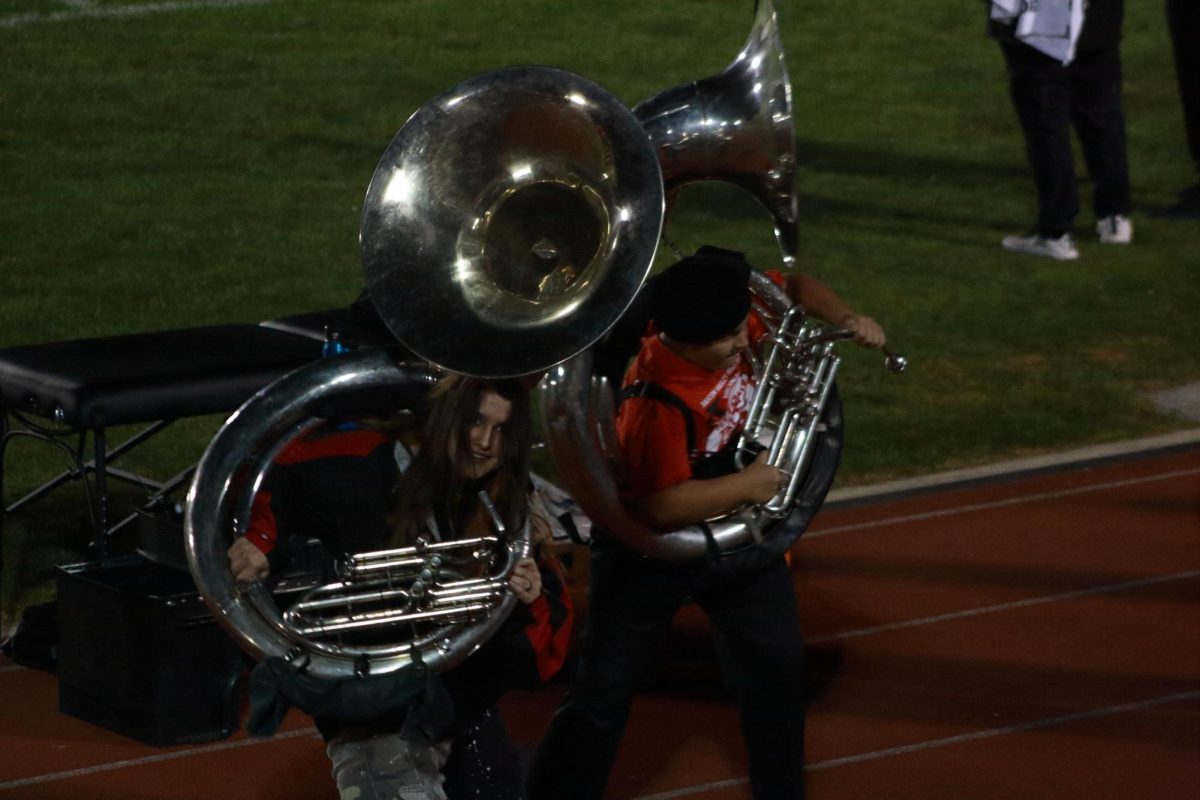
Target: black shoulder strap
[652, 391]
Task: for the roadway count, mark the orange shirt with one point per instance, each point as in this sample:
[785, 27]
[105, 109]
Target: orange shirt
[653, 434]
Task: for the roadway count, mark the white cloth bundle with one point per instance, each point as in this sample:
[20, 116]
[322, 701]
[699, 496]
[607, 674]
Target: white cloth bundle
[1049, 26]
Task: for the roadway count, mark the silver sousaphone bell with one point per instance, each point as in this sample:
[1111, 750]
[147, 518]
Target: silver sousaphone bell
[735, 126]
[511, 221]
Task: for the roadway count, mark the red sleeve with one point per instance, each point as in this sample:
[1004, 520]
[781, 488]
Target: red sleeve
[654, 450]
[530, 647]
[358, 442]
[262, 531]
[549, 632]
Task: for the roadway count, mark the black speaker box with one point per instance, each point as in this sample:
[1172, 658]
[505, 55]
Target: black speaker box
[140, 654]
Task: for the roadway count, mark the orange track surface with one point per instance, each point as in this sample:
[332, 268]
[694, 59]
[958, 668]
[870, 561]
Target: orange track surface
[1035, 638]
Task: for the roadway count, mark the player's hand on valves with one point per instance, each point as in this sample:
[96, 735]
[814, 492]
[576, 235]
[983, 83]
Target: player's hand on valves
[526, 580]
[247, 562]
[867, 332]
[763, 481]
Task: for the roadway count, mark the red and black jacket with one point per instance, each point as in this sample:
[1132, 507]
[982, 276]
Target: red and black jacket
[337, 487]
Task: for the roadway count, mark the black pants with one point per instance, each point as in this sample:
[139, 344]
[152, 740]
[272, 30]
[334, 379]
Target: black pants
[630, 604]
[1049, 98]
[1183, 20]
[483, 761]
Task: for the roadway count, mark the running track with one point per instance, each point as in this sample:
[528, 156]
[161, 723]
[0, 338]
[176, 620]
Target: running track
[1036, 637]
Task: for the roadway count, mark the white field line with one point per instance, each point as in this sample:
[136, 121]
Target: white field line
[949, 741]
[81, 11]
[1012, 501]
[154, 759]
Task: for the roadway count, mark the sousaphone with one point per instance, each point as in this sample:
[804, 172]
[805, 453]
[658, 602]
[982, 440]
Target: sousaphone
[735, 126]
[507, 226]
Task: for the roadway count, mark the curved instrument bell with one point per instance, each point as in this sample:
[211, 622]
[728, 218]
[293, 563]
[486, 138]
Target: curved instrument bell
[511, 221]
[735, 126]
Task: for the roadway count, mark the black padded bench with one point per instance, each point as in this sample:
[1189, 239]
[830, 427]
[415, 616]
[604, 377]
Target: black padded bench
[68, 389]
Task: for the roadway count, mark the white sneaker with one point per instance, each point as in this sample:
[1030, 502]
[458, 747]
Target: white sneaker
[1062, 248]
[1116, 229]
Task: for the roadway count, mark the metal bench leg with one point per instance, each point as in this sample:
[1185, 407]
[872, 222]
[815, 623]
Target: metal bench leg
[100, 467]
[3, 447]
[100, 470]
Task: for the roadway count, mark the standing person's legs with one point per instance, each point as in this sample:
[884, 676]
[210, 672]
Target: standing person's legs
[1100, 122]
[762, 653]
[1183, 21]
[630, 604]
[1041, 96]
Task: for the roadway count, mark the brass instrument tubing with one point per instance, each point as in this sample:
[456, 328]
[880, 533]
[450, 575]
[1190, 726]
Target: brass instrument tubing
[468, 589]
[765, 396]
[826, 372]
[453, 544]
[381, 560]
[497, 523]
[342, 600]
[352, 567]
[385, 618]
[448, 590]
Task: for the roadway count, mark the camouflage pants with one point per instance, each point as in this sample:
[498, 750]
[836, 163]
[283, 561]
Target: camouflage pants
[386, 767]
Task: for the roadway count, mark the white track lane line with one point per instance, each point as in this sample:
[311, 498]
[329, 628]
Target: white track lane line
[1032, 601]
[138, 762]
[118, 12]
[1012, 501]
[989, 733]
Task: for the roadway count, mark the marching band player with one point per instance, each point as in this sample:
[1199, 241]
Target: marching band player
[685, 400]
[476, 436]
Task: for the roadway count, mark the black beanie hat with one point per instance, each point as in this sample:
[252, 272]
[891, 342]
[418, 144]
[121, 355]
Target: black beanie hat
[702, 297]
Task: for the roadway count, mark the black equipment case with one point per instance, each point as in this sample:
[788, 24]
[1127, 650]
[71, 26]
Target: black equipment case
[139, 653]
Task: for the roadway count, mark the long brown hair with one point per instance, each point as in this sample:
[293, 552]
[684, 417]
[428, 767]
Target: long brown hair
[434, 482]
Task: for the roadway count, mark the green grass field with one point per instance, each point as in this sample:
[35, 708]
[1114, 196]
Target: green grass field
[195, 165]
